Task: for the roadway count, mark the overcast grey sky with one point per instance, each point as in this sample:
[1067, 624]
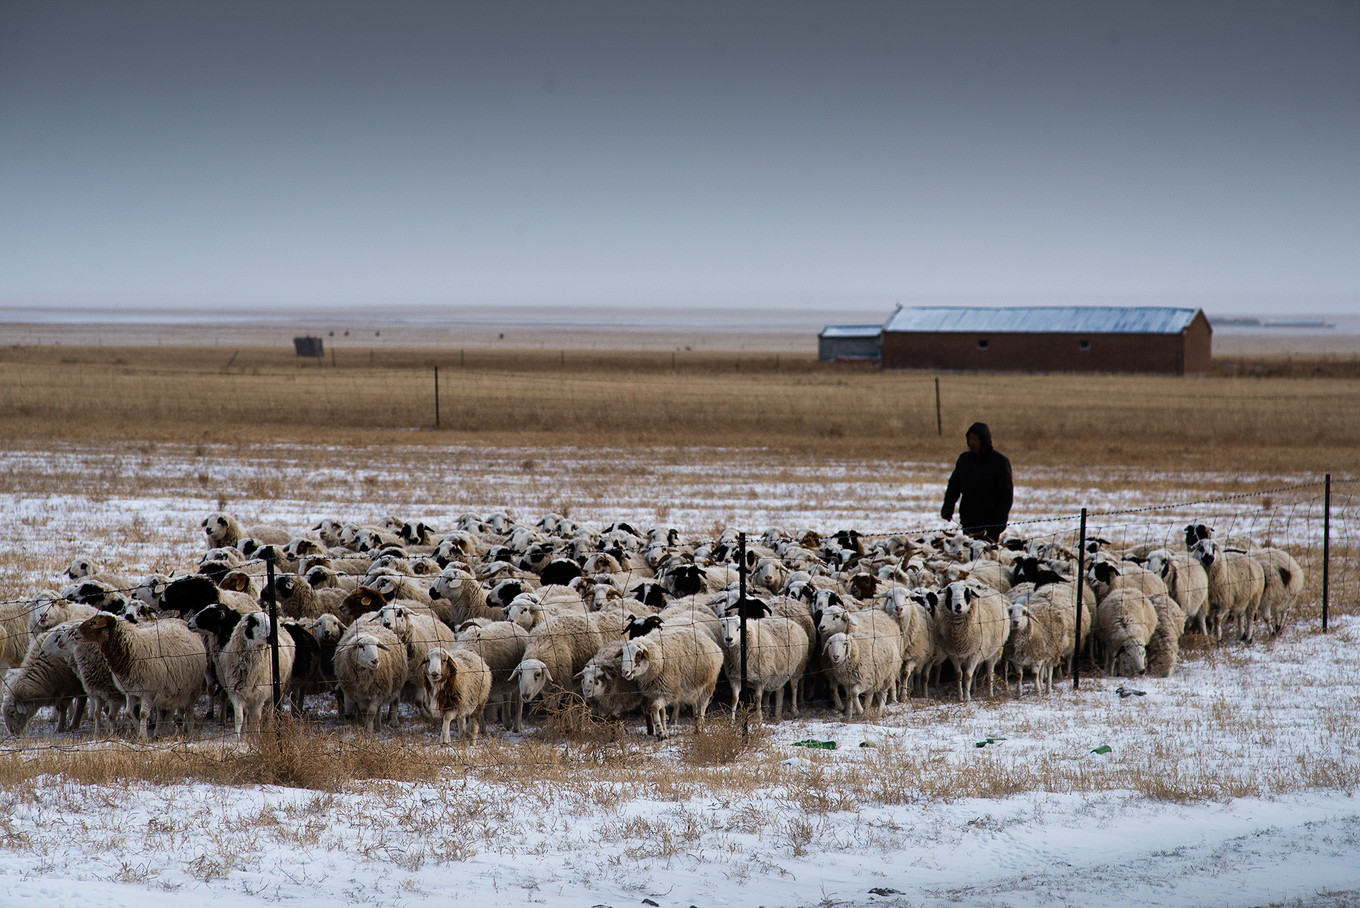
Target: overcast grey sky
[826, 153]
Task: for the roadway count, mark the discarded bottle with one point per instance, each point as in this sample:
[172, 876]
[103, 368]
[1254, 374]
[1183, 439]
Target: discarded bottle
[821, 745]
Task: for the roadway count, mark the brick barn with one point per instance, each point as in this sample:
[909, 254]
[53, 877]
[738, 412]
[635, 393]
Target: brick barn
[1049, 339]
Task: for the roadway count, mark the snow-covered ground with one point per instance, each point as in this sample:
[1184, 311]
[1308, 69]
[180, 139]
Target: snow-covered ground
[1231, 783]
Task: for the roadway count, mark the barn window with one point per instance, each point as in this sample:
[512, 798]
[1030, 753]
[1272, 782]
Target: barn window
[982, 343]
[1083, 344]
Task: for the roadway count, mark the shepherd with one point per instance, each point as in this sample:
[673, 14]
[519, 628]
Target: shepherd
[982, 476]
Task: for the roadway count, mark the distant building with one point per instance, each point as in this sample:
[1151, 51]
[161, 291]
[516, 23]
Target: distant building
[1049, 339]
[849, 342]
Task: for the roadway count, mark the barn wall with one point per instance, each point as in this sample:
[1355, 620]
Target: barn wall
[832, 348]
[1199, 345]
[1158, 353]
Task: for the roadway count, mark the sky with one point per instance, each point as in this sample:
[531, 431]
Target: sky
[300, 154]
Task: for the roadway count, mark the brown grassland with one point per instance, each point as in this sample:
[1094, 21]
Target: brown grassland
[1260, 415]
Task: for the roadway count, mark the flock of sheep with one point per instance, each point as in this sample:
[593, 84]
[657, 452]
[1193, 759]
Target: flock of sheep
[475, 624]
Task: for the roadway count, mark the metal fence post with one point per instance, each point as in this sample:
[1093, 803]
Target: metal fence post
[1326, 546]
[1081, 583]
[741, 605]
[273, 629]
[939, 419]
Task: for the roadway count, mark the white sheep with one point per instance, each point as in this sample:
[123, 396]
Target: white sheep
[1164, 647]
[371, 667]
[1236, 583]
[245, 668]
[531, 609]
[225, 530]
[1041, 635]
[776, 655]
[455, 685]
[501, 645]
[971, 627]
[1186, 582]
[46, 677]
[559, 648]
[604, 687]
[85, 568]
[106, 699]
[420, 634]
[1125, 622]
[297, 598]
[151, 588]
[466, 597]
[673, 665]
[159, 666]
[863, 665]
[1106, 573]
[1283, 585]
[874, 625]
[917, 625]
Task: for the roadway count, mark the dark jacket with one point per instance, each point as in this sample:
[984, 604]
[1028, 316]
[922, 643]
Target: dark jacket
[984, 481]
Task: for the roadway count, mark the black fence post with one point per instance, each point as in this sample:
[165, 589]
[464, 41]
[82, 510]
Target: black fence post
[273, 629]
[741, 605]
[1081, 584]
[939, 419]
[1326, 546]
[436, 397]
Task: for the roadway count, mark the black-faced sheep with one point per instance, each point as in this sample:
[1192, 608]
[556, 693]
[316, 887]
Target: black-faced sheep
[971, 627]
[245, 668]
[1236, 582]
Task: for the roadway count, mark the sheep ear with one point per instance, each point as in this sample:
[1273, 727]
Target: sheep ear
[579, 675]
[515, 673]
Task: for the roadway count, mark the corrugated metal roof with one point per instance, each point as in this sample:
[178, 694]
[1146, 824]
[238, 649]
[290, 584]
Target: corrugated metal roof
[1043, 319]
[851, 331]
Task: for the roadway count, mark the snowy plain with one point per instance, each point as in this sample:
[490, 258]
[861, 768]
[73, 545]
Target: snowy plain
[1279, 719]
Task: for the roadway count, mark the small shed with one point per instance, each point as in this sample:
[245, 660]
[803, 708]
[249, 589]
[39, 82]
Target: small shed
[849, 342]
[1049, 339]
[309, 346]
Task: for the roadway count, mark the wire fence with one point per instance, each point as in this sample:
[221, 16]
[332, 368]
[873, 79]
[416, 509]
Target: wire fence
[798, 603]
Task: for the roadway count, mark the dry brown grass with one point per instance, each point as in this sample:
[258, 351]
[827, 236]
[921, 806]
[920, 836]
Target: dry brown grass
[1303, 420]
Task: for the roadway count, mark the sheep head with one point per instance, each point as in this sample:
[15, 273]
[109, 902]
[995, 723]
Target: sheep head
[958, 598]
[533, 676]
[636, 659]
[837, 648]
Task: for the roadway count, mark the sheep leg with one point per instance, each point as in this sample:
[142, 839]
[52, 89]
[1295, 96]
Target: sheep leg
[705, 698]
[444, 736]
[966, 682]
[658, 711]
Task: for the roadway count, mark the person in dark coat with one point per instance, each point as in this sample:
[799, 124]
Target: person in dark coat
[982, 475]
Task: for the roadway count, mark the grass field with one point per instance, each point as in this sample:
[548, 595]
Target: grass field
[1304, 419]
